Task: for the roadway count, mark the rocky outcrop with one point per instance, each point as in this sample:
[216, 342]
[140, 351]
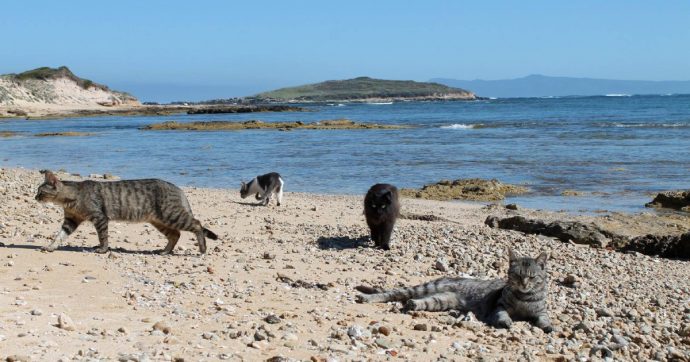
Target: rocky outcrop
[679, 200]
[665, 246]
[566, 231]
[57, 86]
[465, 189]
[244, 109]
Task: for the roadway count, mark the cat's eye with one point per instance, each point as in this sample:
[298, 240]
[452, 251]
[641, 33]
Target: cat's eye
[383, 206]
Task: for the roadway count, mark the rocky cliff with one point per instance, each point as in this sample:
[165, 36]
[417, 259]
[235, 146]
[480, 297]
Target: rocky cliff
[54, 87]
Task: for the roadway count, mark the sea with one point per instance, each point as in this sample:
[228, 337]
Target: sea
[615, 152]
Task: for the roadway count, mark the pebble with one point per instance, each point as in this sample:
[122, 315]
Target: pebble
[272, 319]
[65, 322]
[384, 343]
[421, 327]
[385, 331]
[163, 327]
[441, 265]
[36, 312]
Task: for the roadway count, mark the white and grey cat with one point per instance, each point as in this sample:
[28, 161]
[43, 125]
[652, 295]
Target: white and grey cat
[264, 186]
[497, 301]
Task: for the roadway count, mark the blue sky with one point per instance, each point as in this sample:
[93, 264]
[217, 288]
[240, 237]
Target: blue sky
[167, 50]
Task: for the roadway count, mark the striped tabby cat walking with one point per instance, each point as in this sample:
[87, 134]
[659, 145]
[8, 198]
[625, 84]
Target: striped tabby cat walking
[497, 302]
[157, 202]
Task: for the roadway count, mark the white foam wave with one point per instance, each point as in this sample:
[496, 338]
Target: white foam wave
[617, 95]
[461, 126]
[650, 125]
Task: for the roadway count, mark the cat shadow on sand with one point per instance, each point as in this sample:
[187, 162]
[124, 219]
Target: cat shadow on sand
[81, 249]
[342, 242]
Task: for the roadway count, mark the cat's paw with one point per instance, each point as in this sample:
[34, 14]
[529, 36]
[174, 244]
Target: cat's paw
[410, 305]
[547, 329]
[503, 323]
[101, 249]
[165, 252]
[362, 298]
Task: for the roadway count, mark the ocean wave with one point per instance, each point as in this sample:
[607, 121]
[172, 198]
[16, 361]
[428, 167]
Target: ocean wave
[617, 95]
[462, 126]
[645, 125]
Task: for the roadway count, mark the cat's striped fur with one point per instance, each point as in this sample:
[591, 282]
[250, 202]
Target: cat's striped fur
[157, 202]
[497, 301]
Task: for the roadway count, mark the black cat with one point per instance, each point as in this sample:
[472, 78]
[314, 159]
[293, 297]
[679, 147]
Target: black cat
[381, 208]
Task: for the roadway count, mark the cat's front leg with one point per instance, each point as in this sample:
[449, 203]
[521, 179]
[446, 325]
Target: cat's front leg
[501, 318]
[542, 321]
[68, 227]
[101, 224]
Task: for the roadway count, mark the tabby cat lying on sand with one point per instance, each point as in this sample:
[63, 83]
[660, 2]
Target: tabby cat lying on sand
[157, 202]
[497, 302]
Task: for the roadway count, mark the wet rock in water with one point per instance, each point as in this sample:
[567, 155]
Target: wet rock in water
[512, 207]
[668, 246]
[565, 231]
[65, 322]
[678, 199]
[465, 189]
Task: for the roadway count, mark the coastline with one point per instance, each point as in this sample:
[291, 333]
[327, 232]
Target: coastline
[50, 112]
[217, 306]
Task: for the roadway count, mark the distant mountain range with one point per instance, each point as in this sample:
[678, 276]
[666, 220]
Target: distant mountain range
[545, 86]
[364, 89]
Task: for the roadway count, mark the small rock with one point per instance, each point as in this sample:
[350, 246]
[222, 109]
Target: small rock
[601, 312]
[570, 280]
[355, 331]
[385, 331]
[421, 327]
[122, 330]
[441, 265]
[65, 322]
[209, 336]
[272, 319]
[163, 327]
[36, 312]
[269, 256]
[383, 343]
[210, 270]
[512, 207]
[258, 336]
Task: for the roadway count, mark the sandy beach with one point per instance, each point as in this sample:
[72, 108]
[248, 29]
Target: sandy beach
[280, 283]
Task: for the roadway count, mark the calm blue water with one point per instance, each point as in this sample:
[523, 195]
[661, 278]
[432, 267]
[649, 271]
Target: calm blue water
[620, 148]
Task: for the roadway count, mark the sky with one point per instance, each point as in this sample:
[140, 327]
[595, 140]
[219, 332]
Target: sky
[194, 50]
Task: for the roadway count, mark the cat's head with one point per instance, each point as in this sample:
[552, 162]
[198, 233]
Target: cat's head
[527, 274]
[49, 190]
[380, 200]
[244, 190]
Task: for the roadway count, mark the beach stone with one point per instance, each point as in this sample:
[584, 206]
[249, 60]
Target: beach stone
[163, 327]
[357, 332]
[272, 319]
[385, 330]
[441, 265]
[677, 199]
[384, 343]
[36, 312]
[421, 327]
[65, 322]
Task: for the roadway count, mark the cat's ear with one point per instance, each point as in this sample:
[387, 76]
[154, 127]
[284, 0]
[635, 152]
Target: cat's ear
[541, 260]
[511, 254]
[388, 196]
[50, 178]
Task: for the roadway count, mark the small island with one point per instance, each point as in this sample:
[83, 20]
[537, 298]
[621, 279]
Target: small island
[364, 90]
[333, 124]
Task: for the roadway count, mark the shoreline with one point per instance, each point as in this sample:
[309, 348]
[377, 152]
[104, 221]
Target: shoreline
[219, 306]
[57, 112]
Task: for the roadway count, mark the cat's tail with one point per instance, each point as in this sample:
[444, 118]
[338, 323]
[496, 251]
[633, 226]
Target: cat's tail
[368, 290]
[210, 234]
